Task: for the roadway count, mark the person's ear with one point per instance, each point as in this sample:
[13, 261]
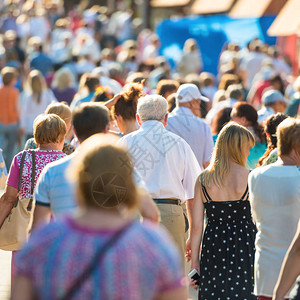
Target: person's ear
[106, 130]
[165, 121]
[118, 118]
[244, 121]
[138, 119]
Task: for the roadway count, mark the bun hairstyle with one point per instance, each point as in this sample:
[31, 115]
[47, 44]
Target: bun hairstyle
[127, 103]
[270, 128]
[249, 112]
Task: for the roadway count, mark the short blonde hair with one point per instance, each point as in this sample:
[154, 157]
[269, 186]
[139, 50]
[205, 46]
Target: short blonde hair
[49, 129]
[288, 136]
[230, 147]
[61, 109]
[103, 173]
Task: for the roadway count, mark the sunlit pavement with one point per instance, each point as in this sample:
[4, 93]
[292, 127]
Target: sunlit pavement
[5, 264]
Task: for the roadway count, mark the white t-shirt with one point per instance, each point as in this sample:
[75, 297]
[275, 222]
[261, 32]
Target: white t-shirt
[275, 204]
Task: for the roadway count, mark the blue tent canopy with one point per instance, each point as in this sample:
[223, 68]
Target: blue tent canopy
[211, 33]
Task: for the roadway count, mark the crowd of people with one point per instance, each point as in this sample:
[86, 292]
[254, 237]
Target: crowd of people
[103, 141]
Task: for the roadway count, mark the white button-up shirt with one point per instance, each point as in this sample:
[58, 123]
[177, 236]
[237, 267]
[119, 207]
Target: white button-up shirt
[165, 161]
[194, 131]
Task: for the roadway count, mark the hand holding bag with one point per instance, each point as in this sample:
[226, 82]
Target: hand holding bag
[15, 229]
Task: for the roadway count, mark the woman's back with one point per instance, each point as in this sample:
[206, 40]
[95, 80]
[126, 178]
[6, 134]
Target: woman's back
[234, 185]
[228, 244]
[140, 265]
[275, 204]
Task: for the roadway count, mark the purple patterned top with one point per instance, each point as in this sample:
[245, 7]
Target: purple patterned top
[42, 158]
[142, 263]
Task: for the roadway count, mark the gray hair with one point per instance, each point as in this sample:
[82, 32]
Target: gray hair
[152, 107]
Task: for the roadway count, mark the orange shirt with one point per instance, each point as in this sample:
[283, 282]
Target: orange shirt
[9, 98]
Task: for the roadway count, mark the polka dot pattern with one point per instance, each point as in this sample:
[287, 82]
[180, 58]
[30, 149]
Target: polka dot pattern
[227, 255]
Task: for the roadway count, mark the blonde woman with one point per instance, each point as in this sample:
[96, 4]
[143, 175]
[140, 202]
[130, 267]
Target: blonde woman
[114, 256]
[62, 110]
[227, 253]
[63, 85]
[34, 101]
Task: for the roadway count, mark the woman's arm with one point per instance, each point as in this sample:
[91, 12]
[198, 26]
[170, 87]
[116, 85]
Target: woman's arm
[110, 103]
[197, 226]
[148, 208]
[22, 289]
[177, 294]
[290, 269]
[41, 215]
[7, 202]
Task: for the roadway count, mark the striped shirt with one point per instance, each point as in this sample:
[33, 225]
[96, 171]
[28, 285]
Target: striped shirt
[54, 189]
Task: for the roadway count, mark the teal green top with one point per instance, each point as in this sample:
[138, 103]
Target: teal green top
[214, 136]
[255, 154]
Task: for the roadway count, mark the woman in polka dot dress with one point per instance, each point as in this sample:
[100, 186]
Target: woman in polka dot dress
[227, 254]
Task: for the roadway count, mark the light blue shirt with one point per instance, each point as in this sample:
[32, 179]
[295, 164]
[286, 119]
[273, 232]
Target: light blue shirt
[53, 188]
[194, 131]
[78, 101]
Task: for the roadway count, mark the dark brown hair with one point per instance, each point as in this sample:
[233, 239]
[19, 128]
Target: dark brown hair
[91, 82]
[88, 119]
[220, 120]
[249, 112]
[166, 86]
[270, 128]
[8, 75]
[127, 103]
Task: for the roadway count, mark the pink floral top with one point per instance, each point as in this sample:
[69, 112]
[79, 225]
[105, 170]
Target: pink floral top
[42, 158]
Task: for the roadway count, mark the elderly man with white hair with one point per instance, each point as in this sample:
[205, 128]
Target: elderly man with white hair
[166, 163]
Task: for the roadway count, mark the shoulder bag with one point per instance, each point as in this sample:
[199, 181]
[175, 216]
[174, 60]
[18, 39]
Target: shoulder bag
[15, 229]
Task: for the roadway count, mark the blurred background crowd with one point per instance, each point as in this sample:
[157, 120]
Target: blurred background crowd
[56, 51]
[58, 56]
